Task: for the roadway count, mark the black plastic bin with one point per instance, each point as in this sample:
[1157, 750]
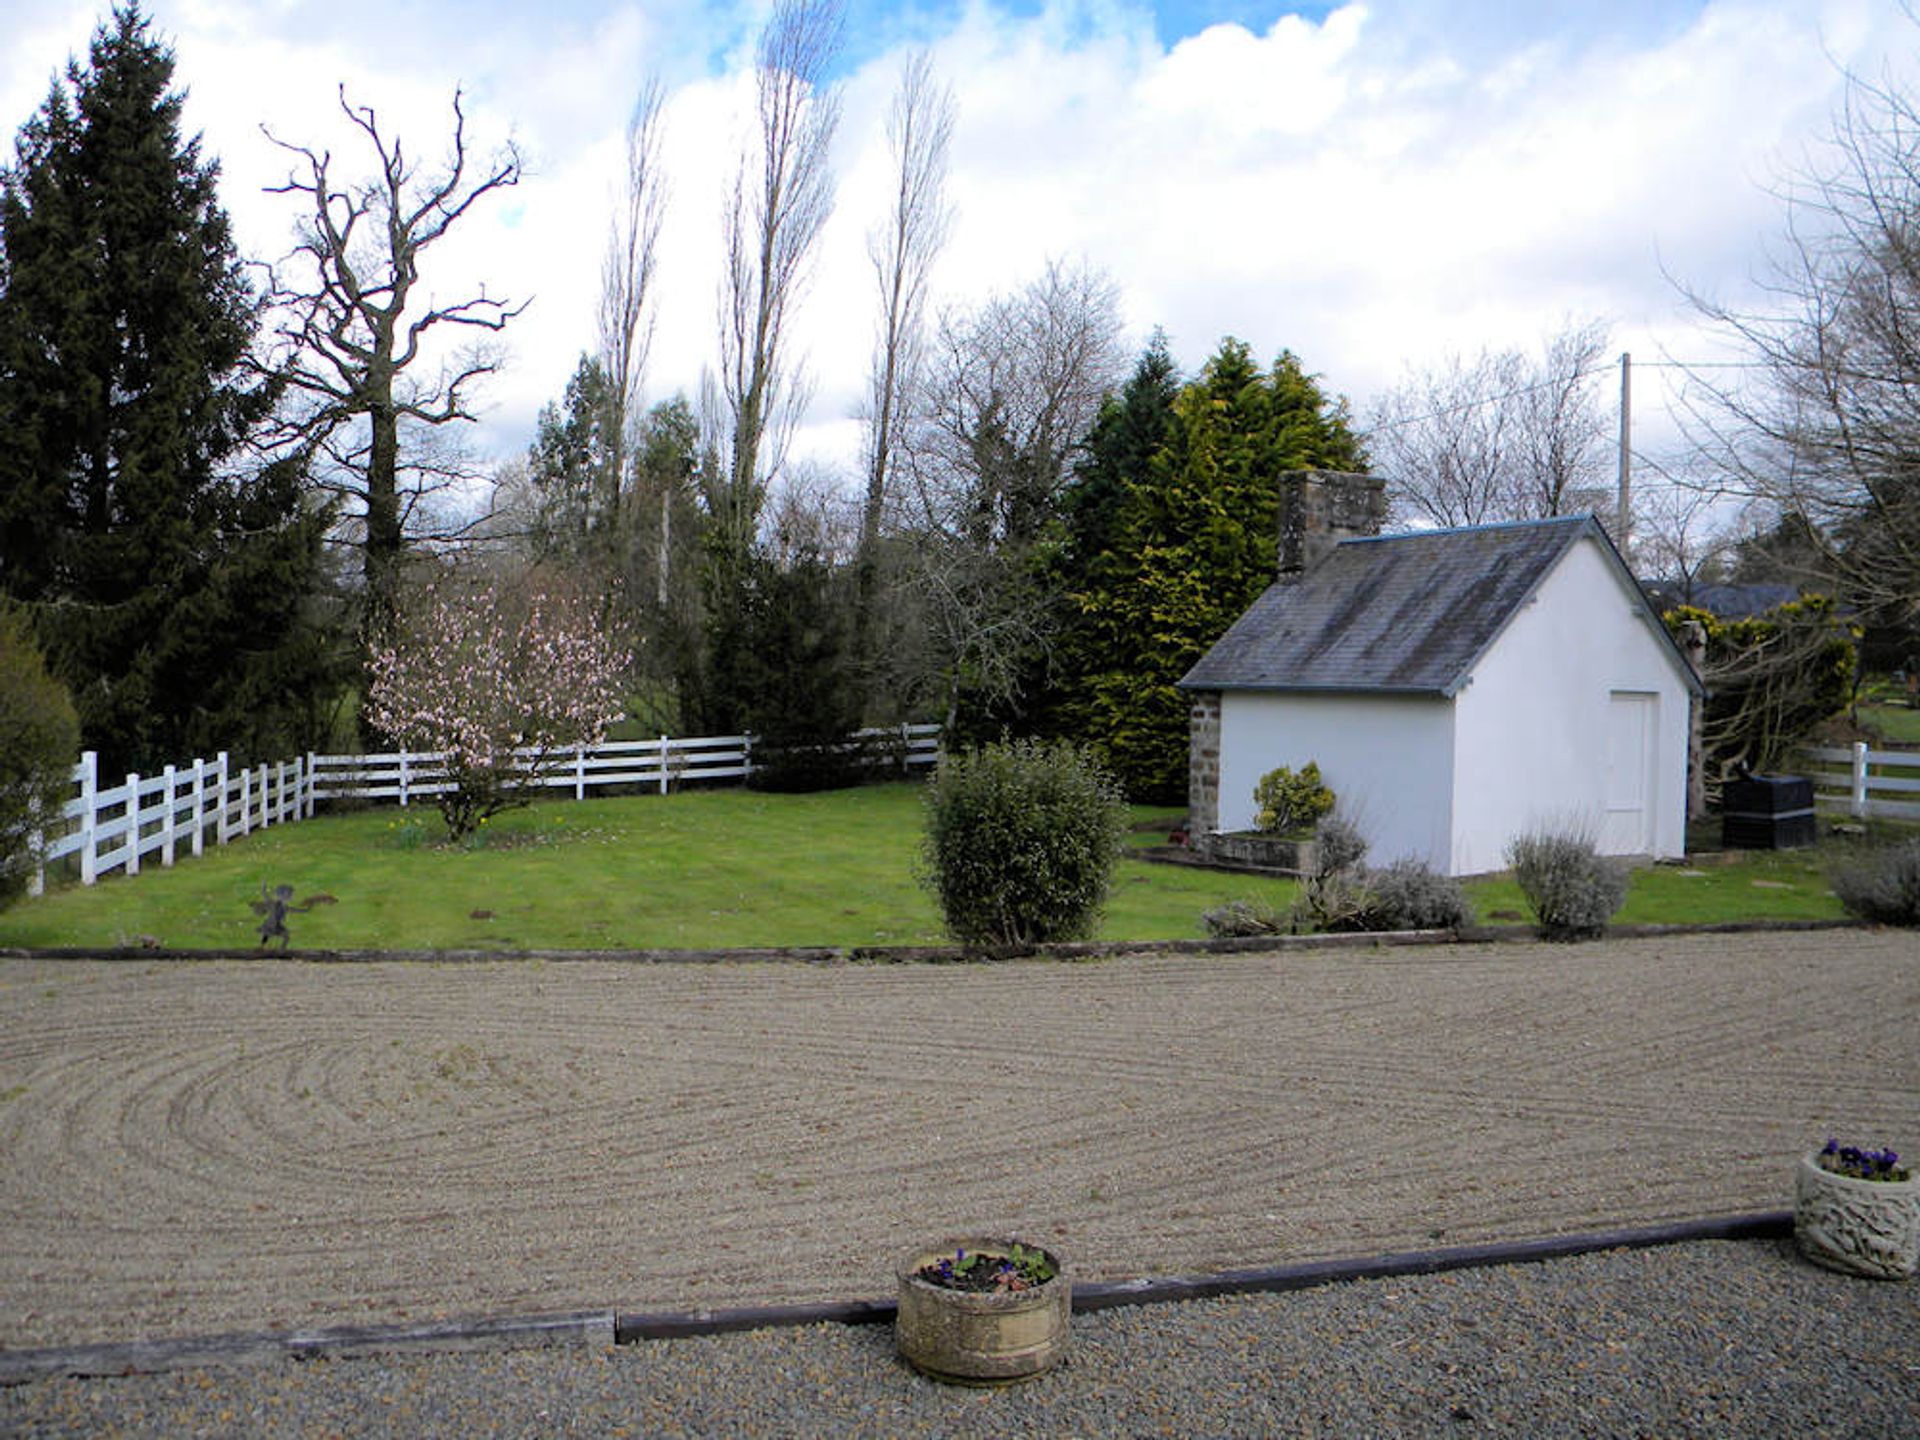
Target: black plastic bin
[1767, 812]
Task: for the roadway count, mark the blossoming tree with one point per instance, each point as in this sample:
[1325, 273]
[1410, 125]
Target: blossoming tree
[502, 681]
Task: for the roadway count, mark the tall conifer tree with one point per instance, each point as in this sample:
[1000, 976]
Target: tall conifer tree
[170, 587]
[1195, 541]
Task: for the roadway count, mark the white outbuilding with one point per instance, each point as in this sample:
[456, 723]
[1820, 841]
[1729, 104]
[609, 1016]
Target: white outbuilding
[1457, 688]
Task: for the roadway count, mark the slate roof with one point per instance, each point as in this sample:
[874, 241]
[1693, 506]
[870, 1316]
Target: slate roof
[1729, 602]
[1403, 614]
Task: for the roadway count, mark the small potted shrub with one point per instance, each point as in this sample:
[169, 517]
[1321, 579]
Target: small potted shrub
[1858, 1212]
[1289, 803]
[982, 1310]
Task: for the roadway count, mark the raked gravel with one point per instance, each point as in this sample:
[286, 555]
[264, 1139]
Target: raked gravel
[1721, 1338]
[198, 1148]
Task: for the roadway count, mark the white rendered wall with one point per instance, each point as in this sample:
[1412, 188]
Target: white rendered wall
[1386, 758]
[1531, 742]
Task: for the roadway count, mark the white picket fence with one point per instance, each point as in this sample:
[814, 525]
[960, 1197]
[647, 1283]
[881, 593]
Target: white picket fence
[188, 806]
[1865, 782]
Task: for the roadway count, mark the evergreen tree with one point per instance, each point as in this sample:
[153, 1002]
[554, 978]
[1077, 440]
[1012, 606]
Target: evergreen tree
[170, 592]
[1132, 427]
[1130, 430]
[572, 464]
[1195, 541]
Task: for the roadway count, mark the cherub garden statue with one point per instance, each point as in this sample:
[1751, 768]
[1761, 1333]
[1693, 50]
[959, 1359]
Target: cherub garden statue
[274, 907]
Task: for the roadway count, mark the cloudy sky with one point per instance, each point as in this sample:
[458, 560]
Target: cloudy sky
[1371, 185]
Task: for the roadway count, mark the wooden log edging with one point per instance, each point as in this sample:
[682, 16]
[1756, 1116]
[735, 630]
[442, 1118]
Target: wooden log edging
[1089, 1296]
[148, 1357]
[605, 1327]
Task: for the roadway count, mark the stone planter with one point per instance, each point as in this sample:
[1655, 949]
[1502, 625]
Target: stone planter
[1858, 1227]
[966, 1338]
[1252, 850]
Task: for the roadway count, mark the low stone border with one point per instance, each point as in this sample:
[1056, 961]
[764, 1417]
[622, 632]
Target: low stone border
[924, 954]
[605, 1327]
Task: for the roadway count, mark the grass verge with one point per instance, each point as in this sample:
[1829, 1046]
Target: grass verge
[721, 868]
[702, 869]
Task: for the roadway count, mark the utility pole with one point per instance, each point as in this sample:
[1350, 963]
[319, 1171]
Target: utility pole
[1624, 524]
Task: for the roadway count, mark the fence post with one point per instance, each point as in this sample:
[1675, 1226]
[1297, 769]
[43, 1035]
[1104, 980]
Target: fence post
[579, 772]
[36, 849]
[266, 797]
[312, 784]
[403, 776]
[1858, 805]
[133, 824]
[664, 743]
[167, 826]
[199, 793]
[89, 838]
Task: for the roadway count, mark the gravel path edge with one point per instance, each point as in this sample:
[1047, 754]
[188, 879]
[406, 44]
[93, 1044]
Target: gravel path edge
[609, 1327]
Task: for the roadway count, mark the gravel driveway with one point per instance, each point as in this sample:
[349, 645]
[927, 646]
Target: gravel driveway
[202, 1147]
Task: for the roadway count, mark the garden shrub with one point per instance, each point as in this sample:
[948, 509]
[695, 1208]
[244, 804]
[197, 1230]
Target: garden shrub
[1288, 801]
[39, 741]
[1240, 918]
[1881, 885]
[1332, 894]
[1410, 895]
[1342, 893]
[1021, 841]
[1572, 890]
[1338, 845]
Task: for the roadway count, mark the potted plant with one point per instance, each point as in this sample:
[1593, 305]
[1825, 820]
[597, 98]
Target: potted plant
[982, 1310]
[1857, 1211]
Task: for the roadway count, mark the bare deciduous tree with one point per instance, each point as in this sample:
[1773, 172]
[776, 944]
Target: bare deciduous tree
[1011, 392]
[1443, 443]
[781, 197]
[354, 335]
[626, 290]
[1500, 436]
[919, 132]
[1014, 387]
[1564, 432]
[1681, 539]
[1824, 424]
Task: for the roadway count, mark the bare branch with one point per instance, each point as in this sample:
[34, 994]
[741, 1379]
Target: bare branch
[1499, 436]
[627, 275]
[778, 205]
[351, 338]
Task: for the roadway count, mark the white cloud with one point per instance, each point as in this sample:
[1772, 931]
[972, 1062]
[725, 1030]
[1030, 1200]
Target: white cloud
[1374, 188]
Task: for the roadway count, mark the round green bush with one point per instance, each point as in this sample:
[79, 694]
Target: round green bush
[1288, 801]
[39, 741]
[1020, 843]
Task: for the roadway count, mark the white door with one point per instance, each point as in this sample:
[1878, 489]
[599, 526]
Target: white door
[1632, 731]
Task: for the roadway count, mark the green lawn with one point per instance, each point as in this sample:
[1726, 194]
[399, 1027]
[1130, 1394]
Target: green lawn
[1889, 712]
[710, 869]
[1760, 885]
[701, 869]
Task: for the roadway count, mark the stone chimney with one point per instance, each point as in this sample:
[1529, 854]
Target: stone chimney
[1320, 508]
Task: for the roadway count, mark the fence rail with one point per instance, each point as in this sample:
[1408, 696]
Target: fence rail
[208, 800]
[1865, 782]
